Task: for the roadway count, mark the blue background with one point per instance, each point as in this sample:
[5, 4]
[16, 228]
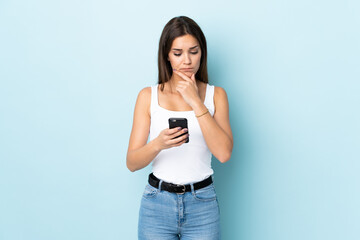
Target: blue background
[70, 72]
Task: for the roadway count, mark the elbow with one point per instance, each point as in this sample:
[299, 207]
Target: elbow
[130, 166]
[224, 159]
[225, 155]
[131, 169]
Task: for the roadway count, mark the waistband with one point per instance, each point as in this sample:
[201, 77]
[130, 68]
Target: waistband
[178, 188]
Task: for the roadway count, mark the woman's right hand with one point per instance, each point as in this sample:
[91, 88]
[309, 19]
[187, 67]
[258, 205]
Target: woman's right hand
[168, 138]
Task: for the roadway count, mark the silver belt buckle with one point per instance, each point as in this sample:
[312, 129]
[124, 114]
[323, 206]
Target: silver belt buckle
[184, 189]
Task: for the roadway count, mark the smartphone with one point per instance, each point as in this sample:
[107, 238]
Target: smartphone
[179, 122]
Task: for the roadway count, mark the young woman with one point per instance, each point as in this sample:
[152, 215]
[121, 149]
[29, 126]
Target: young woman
[179, 202]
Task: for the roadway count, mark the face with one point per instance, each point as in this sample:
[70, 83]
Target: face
[185, 54]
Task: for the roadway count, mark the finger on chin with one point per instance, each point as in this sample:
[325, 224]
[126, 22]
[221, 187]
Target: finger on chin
[183, 75]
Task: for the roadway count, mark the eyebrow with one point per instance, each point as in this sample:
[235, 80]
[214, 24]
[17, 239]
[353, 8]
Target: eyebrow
[177, 49]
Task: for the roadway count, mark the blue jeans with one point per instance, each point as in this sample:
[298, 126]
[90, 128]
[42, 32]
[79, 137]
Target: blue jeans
[167, 216]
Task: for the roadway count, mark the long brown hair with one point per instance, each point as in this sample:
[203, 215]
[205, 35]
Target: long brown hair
[177, 27]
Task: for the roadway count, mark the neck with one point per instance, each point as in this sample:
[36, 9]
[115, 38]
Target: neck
[173, 82]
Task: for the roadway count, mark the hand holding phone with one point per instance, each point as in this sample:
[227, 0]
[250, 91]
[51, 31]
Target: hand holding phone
[179, 122]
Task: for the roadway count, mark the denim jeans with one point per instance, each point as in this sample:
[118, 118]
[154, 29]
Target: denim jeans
[167, 216]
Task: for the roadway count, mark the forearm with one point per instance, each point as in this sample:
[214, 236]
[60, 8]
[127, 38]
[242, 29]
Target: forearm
[141, 157]
[218, 142]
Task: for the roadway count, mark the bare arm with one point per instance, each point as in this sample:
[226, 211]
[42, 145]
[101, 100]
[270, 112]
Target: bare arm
[216, 130]
[140, 153]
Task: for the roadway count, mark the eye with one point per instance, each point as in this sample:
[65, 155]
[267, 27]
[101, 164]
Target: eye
[178, 54]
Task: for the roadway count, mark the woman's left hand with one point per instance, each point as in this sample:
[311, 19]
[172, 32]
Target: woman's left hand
[188, 88]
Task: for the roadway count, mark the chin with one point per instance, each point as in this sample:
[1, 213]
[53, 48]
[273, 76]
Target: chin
[189, 74]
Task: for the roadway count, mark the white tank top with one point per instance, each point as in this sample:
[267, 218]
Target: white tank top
[190, 162]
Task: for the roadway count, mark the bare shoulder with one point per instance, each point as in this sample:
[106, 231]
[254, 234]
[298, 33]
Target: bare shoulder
[144, 99]
[145, 92]
[219, 94]
[220, 90]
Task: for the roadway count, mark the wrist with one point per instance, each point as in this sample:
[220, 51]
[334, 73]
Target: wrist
[199, 109]
[202, 114]
[155, 145]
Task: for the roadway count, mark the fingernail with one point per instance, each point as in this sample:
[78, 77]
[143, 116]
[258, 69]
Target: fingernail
[185, 130]
[179, 128]
[174, 70]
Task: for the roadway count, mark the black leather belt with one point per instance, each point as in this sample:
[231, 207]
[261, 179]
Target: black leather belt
[175, 188]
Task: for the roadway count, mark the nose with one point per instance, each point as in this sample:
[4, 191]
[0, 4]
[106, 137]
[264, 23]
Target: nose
[187, 59]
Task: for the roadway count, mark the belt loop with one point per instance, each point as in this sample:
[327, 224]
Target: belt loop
[192, 188]
[160, 185]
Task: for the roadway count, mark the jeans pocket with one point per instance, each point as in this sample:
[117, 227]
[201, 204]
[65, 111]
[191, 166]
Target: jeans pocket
[205, 194]
[150, 191]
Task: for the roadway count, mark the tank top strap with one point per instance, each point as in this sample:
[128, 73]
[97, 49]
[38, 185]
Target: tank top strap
[154, 99]
[209, 99]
